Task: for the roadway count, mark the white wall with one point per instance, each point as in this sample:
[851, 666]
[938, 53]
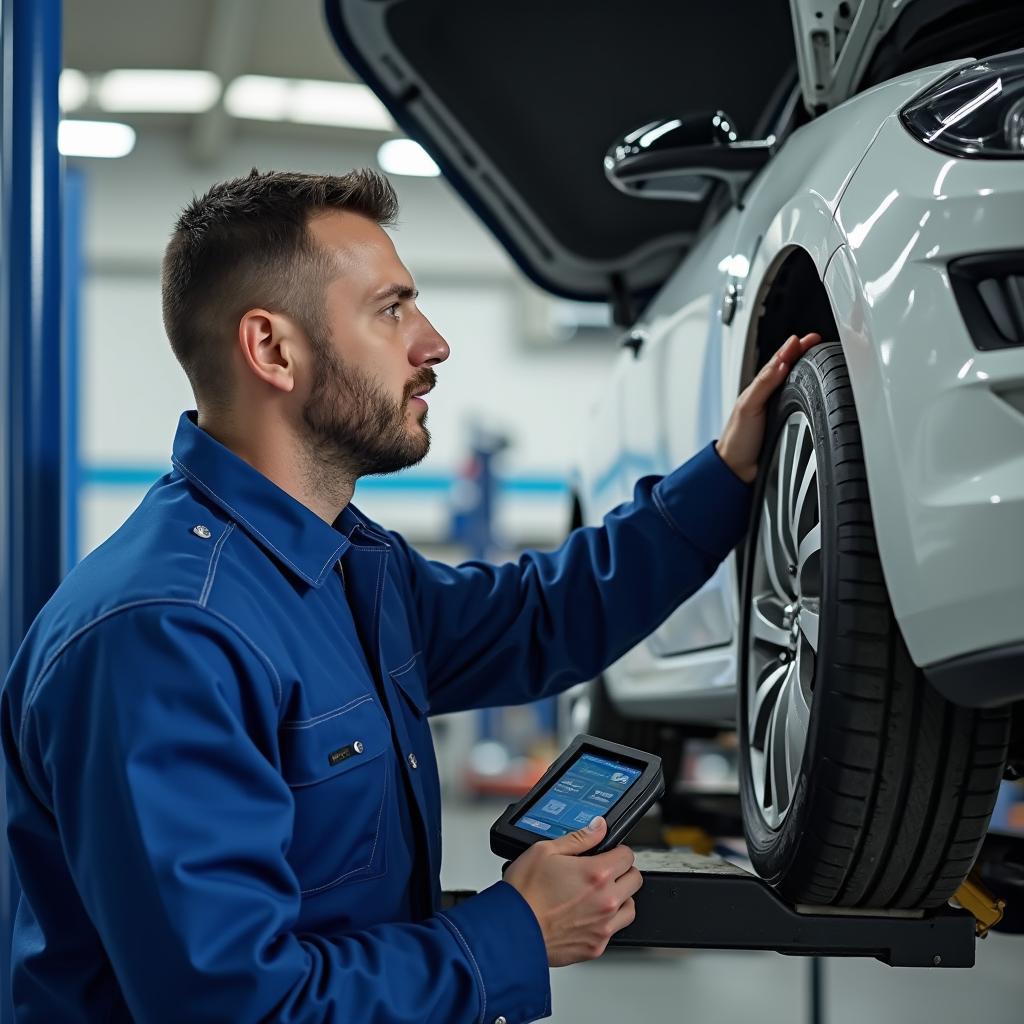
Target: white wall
[132, 390]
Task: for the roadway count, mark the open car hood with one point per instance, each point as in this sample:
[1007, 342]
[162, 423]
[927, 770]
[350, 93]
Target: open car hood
[518, 104]
[845, 45]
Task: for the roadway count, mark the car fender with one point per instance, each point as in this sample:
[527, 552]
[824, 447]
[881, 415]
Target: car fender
[793, 204]
[942, 446]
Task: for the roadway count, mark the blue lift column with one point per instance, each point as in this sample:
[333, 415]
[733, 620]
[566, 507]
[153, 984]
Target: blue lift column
[31, 367]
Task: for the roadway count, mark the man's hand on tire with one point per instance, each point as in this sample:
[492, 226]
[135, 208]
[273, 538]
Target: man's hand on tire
[740, 443]
[579, 902]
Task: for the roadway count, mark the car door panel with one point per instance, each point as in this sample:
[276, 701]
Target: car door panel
[671, 399]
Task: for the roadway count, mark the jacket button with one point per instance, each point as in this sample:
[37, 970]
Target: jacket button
[500, 1020]
[202, 531]
[413, 763]
[358, 746]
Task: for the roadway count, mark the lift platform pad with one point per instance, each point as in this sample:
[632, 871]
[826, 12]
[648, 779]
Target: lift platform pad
[706, 902]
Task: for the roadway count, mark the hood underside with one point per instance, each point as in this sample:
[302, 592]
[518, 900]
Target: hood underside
[518, 104]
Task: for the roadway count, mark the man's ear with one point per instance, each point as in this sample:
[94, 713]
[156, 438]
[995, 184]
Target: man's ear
[268, 344]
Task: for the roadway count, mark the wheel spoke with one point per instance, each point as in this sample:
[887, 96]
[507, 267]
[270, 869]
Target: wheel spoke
[766, 691]
[775, 751]
[768, 798]
[808, 619]
[797, 716]
[802, 674]
[782, 519]
[794, 472]
[810, 545]
[803, 493]
[757, 773]
[770, 556]
[764, 625]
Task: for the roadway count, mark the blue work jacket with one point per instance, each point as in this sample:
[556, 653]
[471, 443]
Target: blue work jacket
[223, 803]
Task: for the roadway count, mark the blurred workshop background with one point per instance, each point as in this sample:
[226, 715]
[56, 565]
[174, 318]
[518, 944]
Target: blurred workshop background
[160, 100]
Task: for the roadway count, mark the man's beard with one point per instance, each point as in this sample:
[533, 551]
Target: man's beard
[355, 426]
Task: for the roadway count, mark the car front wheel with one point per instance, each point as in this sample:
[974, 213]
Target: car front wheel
[860, 784]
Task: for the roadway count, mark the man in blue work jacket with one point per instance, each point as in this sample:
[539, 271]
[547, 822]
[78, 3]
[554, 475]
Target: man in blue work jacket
[223, 802]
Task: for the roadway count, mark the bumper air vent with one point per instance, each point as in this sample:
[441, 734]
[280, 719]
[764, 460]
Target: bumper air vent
[990, 292]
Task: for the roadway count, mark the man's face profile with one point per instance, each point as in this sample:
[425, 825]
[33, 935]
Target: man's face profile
[375, 357]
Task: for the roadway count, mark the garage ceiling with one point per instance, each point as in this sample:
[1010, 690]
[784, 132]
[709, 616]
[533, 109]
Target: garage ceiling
[286, 38]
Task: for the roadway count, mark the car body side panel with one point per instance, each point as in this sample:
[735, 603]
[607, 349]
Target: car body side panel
[676, 396]
[669, 401]
[942, 422]
[671, 410]
[600, 478]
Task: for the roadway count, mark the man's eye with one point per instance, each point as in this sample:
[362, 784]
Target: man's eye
[393, 310]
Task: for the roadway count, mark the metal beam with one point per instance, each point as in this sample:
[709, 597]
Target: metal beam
[31, 433]
[228, 43]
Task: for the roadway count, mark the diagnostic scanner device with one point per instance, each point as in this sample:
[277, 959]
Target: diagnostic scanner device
[593, 778]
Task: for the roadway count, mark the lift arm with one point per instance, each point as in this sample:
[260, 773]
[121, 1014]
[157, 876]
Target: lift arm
[706, 902]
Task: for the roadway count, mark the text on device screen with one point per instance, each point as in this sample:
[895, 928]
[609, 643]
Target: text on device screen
[590, 787]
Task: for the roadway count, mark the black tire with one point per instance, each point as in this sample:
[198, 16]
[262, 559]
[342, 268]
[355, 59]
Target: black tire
[896, 786]
[666, 741]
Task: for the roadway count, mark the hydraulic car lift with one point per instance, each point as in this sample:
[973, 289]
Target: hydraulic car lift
[704, 901]
[701, 900]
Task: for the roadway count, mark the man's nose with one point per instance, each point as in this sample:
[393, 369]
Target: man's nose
[428, 348]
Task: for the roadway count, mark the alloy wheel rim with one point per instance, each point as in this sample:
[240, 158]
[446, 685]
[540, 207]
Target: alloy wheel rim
[782, 645]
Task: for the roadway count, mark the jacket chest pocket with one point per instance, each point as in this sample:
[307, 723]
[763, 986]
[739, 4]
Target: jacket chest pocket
[337, 767]
[409, 679]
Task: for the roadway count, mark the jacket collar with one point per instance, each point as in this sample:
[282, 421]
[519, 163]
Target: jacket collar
[360, 530]
[277, 522]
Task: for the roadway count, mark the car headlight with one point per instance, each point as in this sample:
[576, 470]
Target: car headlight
[978, 111]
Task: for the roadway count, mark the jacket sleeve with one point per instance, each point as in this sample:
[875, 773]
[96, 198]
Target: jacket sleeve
[152, 740]
[506, 634]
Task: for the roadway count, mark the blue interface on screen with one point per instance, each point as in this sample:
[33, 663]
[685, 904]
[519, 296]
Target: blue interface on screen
[591, 787]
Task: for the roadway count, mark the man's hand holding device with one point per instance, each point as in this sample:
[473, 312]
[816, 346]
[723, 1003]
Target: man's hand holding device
[586, 803]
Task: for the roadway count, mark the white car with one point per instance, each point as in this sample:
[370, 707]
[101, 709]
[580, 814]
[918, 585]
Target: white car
[868, 640]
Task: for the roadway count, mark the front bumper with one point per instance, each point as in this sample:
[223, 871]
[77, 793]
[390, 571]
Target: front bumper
[984, 679]
[942, 419]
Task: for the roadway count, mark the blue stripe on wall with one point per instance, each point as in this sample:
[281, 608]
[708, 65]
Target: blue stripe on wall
[423, 483]
[118, 476]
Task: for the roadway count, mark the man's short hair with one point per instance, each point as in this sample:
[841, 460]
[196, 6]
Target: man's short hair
[245, 244]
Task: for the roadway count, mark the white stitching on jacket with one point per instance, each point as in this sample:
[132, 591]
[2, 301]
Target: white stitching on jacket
[406, 666]
[307, 723]
[181, 467]
[32, 690]
[476, 966]
[211, 572]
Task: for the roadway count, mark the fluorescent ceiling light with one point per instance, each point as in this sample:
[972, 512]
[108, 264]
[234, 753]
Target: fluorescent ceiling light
[95, 138]
[306, 101]
[74, 89]
[258, 97]
[152, 90]
[403, 156]
[346, 104]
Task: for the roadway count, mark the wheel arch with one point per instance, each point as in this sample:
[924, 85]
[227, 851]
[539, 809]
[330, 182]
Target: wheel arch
[791, 299]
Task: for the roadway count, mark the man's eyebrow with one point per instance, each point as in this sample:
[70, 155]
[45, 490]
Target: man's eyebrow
[397, 291]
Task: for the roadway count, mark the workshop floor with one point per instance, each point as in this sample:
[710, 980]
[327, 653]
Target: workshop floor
[748, 988]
